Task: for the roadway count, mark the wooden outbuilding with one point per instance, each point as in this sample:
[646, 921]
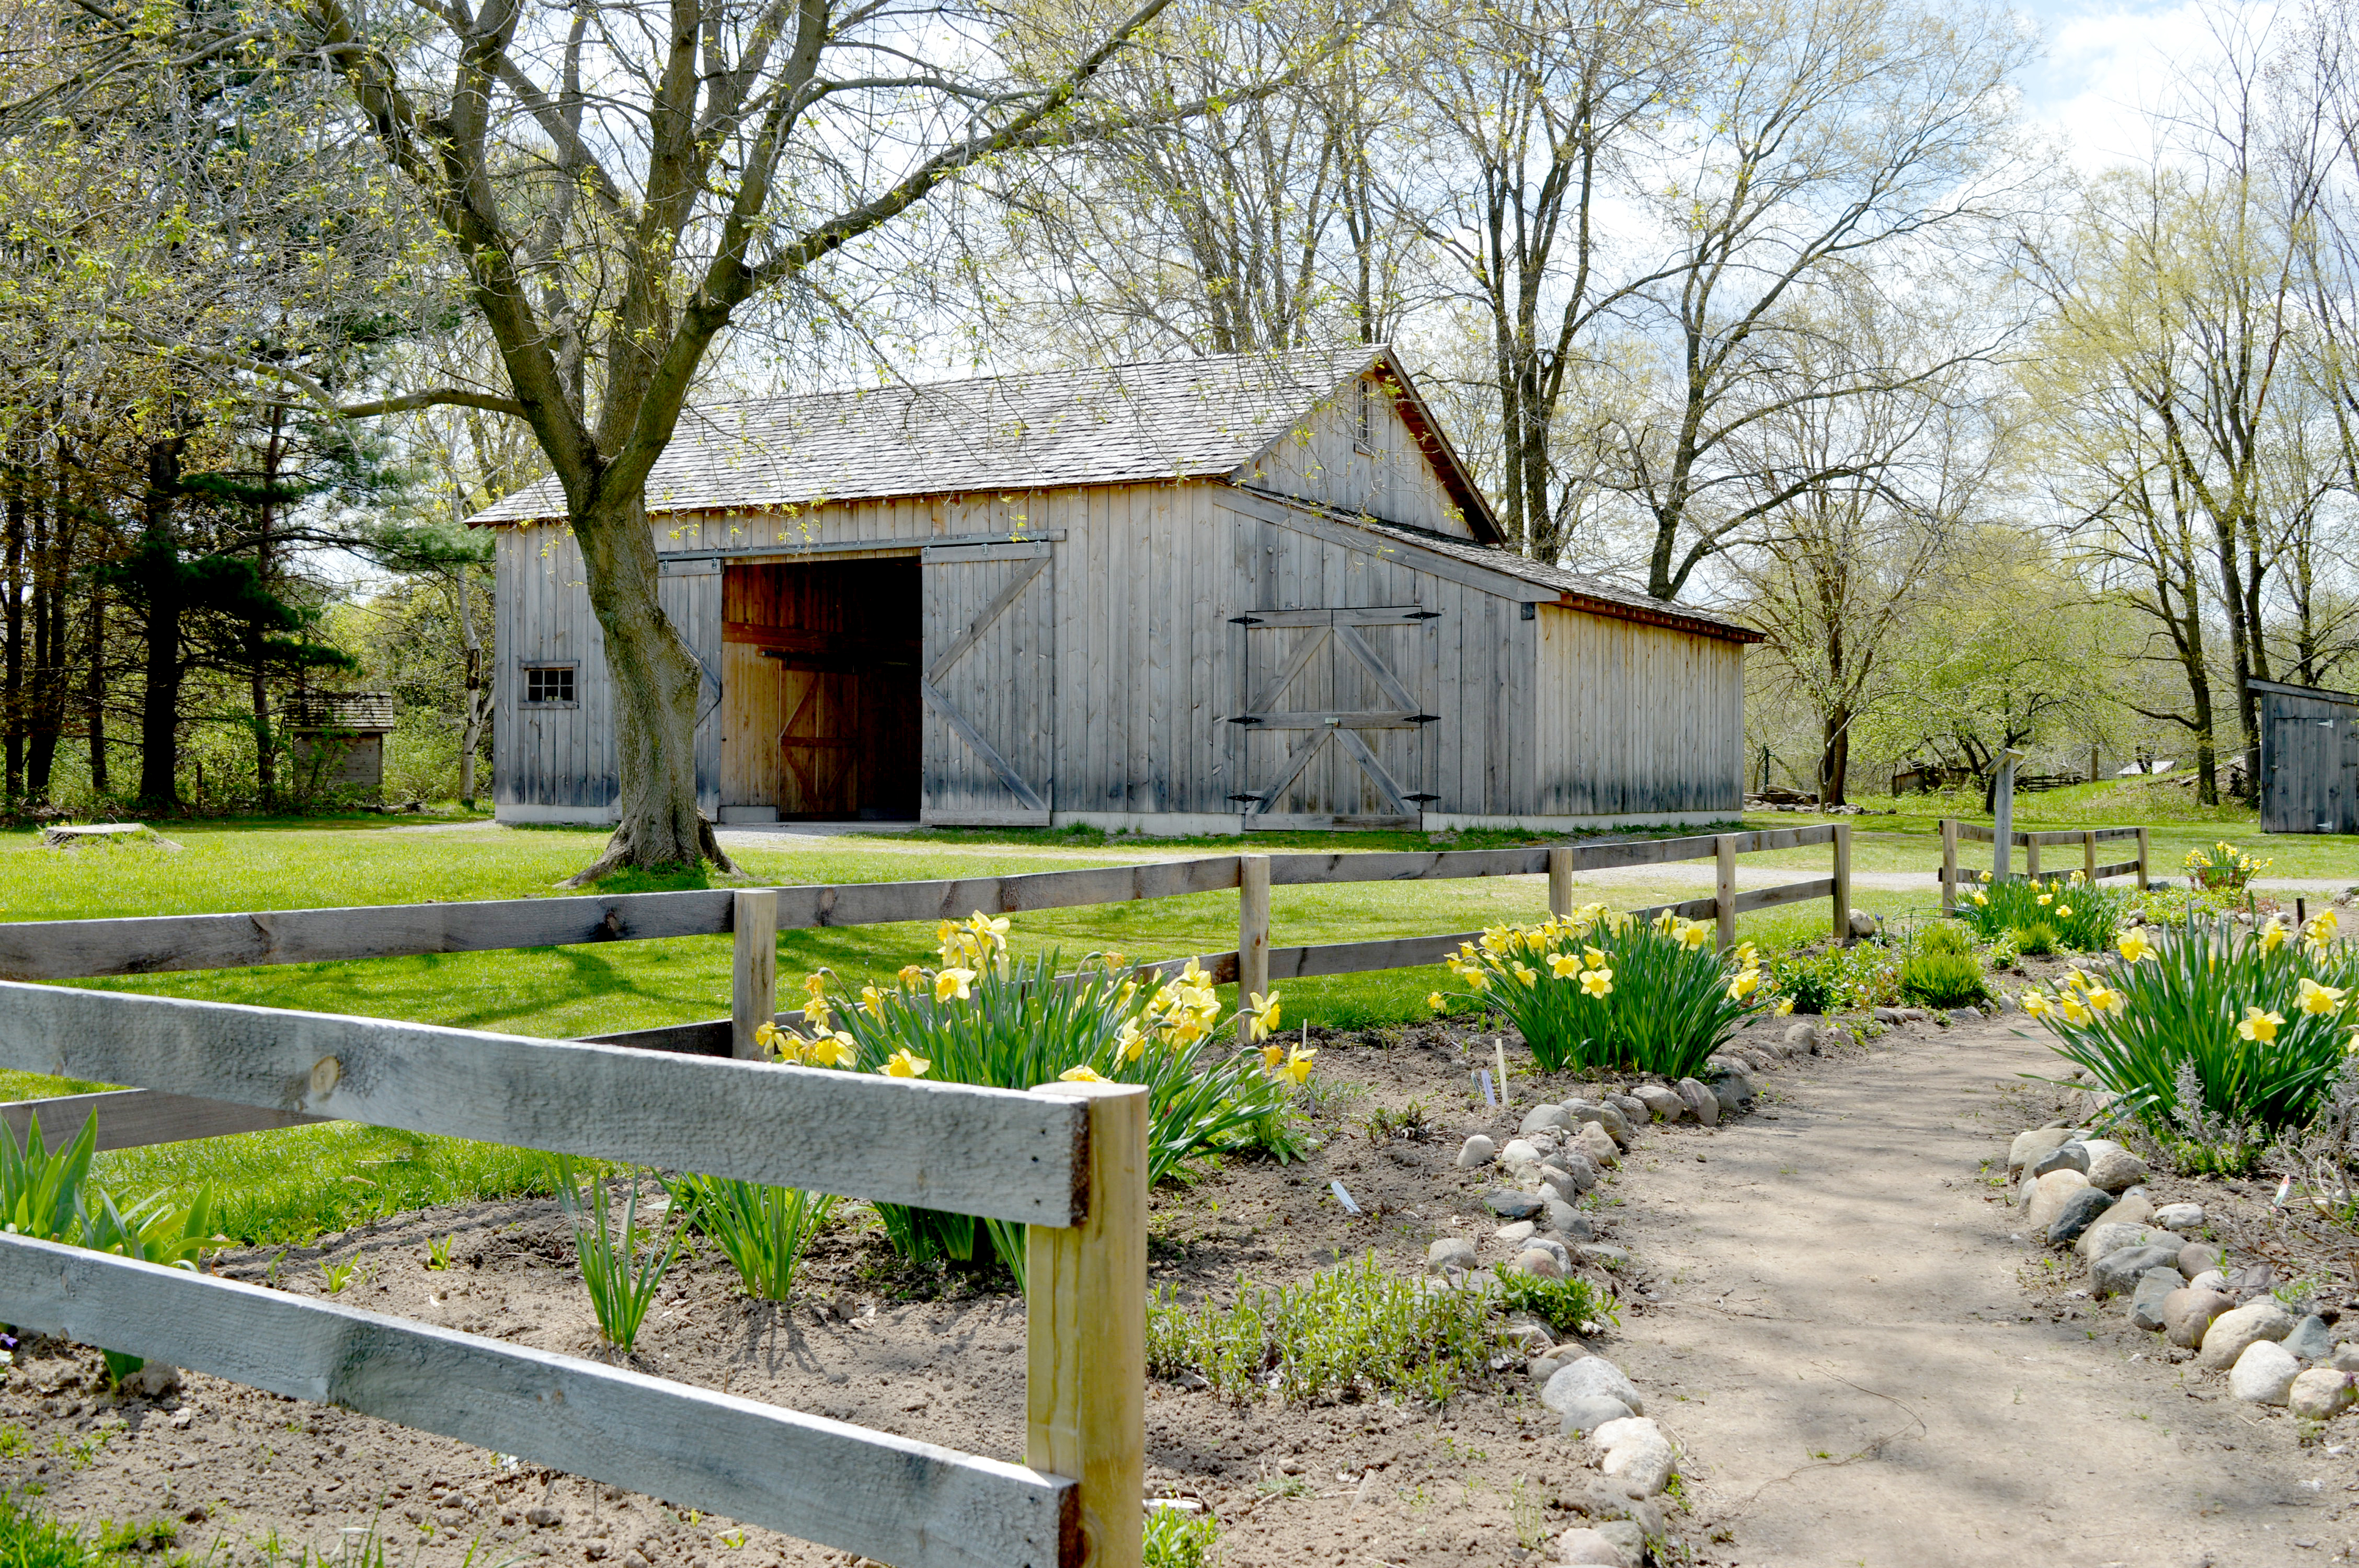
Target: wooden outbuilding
[340, 737]
[2309, 759]
[1205, 596]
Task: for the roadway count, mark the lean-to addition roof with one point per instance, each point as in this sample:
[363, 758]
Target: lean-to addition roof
[1124, 423]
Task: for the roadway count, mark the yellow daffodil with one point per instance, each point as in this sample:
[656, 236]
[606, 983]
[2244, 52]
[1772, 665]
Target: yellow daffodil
[1563, 966]
[2048, 898]
[815, 985]
[2104, 999]
[2319, 999]
[1982, 899]
[871, 1002]
[1298, 1065]
[1262, 1015]
[1593, 958]
[2134, 944]
[815, 1013]
[953, 983]
[1694, 934]
[2260, 1027]
[1437, 1001]
[2063, 911]
[2273, 935]
[1598, 983]
[1273, 1057]
[2035, 1003]
[1084, 1074]
[1743, 985]
[901, 1064]
[2071, 1007]
[1745, 955]
[912, 976]
[2077, 980]
[771, 1039]
[1478, 979]
[1785, 1006]
[834, 1050]
[1525, 974]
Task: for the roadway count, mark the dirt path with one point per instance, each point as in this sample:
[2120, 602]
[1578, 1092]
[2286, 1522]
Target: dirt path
[1847, 1352]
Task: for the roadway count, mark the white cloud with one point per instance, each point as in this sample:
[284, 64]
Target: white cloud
[2112, 67]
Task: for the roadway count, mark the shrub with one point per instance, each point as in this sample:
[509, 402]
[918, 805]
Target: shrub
[977, 1018]
[1943, 980]
[2039, 938]
[1867, 975]
[1568, 1306]
[2213, 1028]
[2076, 914]
[1598, 989]
[761, 1230]
[1946, 937]
[1351, 1328]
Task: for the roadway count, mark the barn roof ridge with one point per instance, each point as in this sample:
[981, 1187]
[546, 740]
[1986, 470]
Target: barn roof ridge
[1130, 422]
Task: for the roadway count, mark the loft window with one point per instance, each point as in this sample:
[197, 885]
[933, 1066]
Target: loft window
[1364, 436]
[548, 683]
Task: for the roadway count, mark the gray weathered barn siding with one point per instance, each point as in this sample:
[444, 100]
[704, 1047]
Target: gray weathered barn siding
[1106, 687]
[2309, 759]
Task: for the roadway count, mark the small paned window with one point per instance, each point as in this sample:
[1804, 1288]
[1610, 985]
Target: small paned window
[1365, 437]
[548, 683]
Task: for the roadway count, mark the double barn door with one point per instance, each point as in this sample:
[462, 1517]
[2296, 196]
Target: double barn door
[1332, 730]
[989, 684]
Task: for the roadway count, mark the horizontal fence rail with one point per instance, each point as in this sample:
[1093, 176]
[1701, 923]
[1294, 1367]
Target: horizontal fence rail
[2086, 838]
[1069, 1160]
[890, 1498]
[994, 1152]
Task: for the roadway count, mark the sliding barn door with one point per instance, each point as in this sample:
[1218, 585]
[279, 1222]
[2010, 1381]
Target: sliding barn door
[989, 685]
[1332, 731]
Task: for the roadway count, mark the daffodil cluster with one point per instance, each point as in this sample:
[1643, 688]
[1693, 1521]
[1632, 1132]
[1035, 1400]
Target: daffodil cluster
[1598, 988]
[2222, 866]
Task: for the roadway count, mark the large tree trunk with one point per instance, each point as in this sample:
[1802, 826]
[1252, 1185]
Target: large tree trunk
[654, 679]
[15, 602]
[1834, 756]
[97, 694]
[159, 707]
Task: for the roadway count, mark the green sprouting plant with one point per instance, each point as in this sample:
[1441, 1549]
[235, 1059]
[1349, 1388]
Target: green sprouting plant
[1946, 937]
[41, 1192]
[1351, 1327]
[620, 1274]
[979, 1019]
[140, 1535]
[1567, 1306]
[2223, 867]
[1866, 975]
[438, 1249]
[335, 1276]
[2039, 940]
[1943, 980]
[2004, 951]
[2213, 1026]
[1531, 1513]
[1177, 1539]
[761, 1230]
[2078, 914]
[1412, 1120]
[1599, 990]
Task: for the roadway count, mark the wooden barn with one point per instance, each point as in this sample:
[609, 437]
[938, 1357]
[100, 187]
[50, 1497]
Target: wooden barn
[2309, 759]
[1208, 596]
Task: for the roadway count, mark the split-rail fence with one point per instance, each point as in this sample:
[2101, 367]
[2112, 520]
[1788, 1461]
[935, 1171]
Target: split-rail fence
[2085, 840]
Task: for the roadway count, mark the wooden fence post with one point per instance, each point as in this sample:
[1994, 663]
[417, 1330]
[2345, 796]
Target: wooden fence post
[1560, 880]
[1086, 1334]
[754, 991]
[2142, 861]
[2031, 856]
[1842, 882]
[1253, 932]
[2089, 856]
[1725, 890]
[1948, 865]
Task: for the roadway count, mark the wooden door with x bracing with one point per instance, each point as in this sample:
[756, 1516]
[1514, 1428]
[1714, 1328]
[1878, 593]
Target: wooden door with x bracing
[990, 685]
[1331, 731]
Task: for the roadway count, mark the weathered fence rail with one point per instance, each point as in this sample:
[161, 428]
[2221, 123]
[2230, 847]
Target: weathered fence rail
[77, 949]
[2085, 838]
[1068, 1159]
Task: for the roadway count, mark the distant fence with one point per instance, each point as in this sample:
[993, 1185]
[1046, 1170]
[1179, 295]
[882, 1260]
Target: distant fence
[73, 949]
[1068, 1160]
[2085, 838]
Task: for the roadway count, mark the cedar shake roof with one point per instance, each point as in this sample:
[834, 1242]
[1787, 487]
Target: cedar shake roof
[1124, 423]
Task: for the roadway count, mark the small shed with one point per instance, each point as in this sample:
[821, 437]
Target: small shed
[2309, 759]
[340, 737]
[1208, 596]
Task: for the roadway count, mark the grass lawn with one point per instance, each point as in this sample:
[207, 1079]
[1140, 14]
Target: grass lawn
[290, 1184]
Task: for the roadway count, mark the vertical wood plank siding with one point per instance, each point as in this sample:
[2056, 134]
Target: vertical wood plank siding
[1322, 460]
[1113, 678]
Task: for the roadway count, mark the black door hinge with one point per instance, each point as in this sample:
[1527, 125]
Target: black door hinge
[1425, 718]
[1245, 621]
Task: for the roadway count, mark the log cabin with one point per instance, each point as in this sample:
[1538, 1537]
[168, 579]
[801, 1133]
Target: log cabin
[1214, 595]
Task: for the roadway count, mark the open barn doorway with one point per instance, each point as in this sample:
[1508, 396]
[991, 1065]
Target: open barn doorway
[820, 690]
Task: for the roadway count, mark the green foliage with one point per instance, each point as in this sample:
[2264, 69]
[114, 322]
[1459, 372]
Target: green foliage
[1176, 1538]
[1943, 980]
[761, 1230]
[1600, 991]
[1351, 1328]
[29, 1540]
[1567, 1306]
[40, 1191]
[2039, 938]
[2078, 914]
[1020, 1024]
[620, 1273]
[1866, 975]
[2221, 868]
[1946, 937]
[2215, 1037]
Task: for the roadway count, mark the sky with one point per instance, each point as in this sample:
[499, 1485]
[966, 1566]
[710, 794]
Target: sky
[2106, 63]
